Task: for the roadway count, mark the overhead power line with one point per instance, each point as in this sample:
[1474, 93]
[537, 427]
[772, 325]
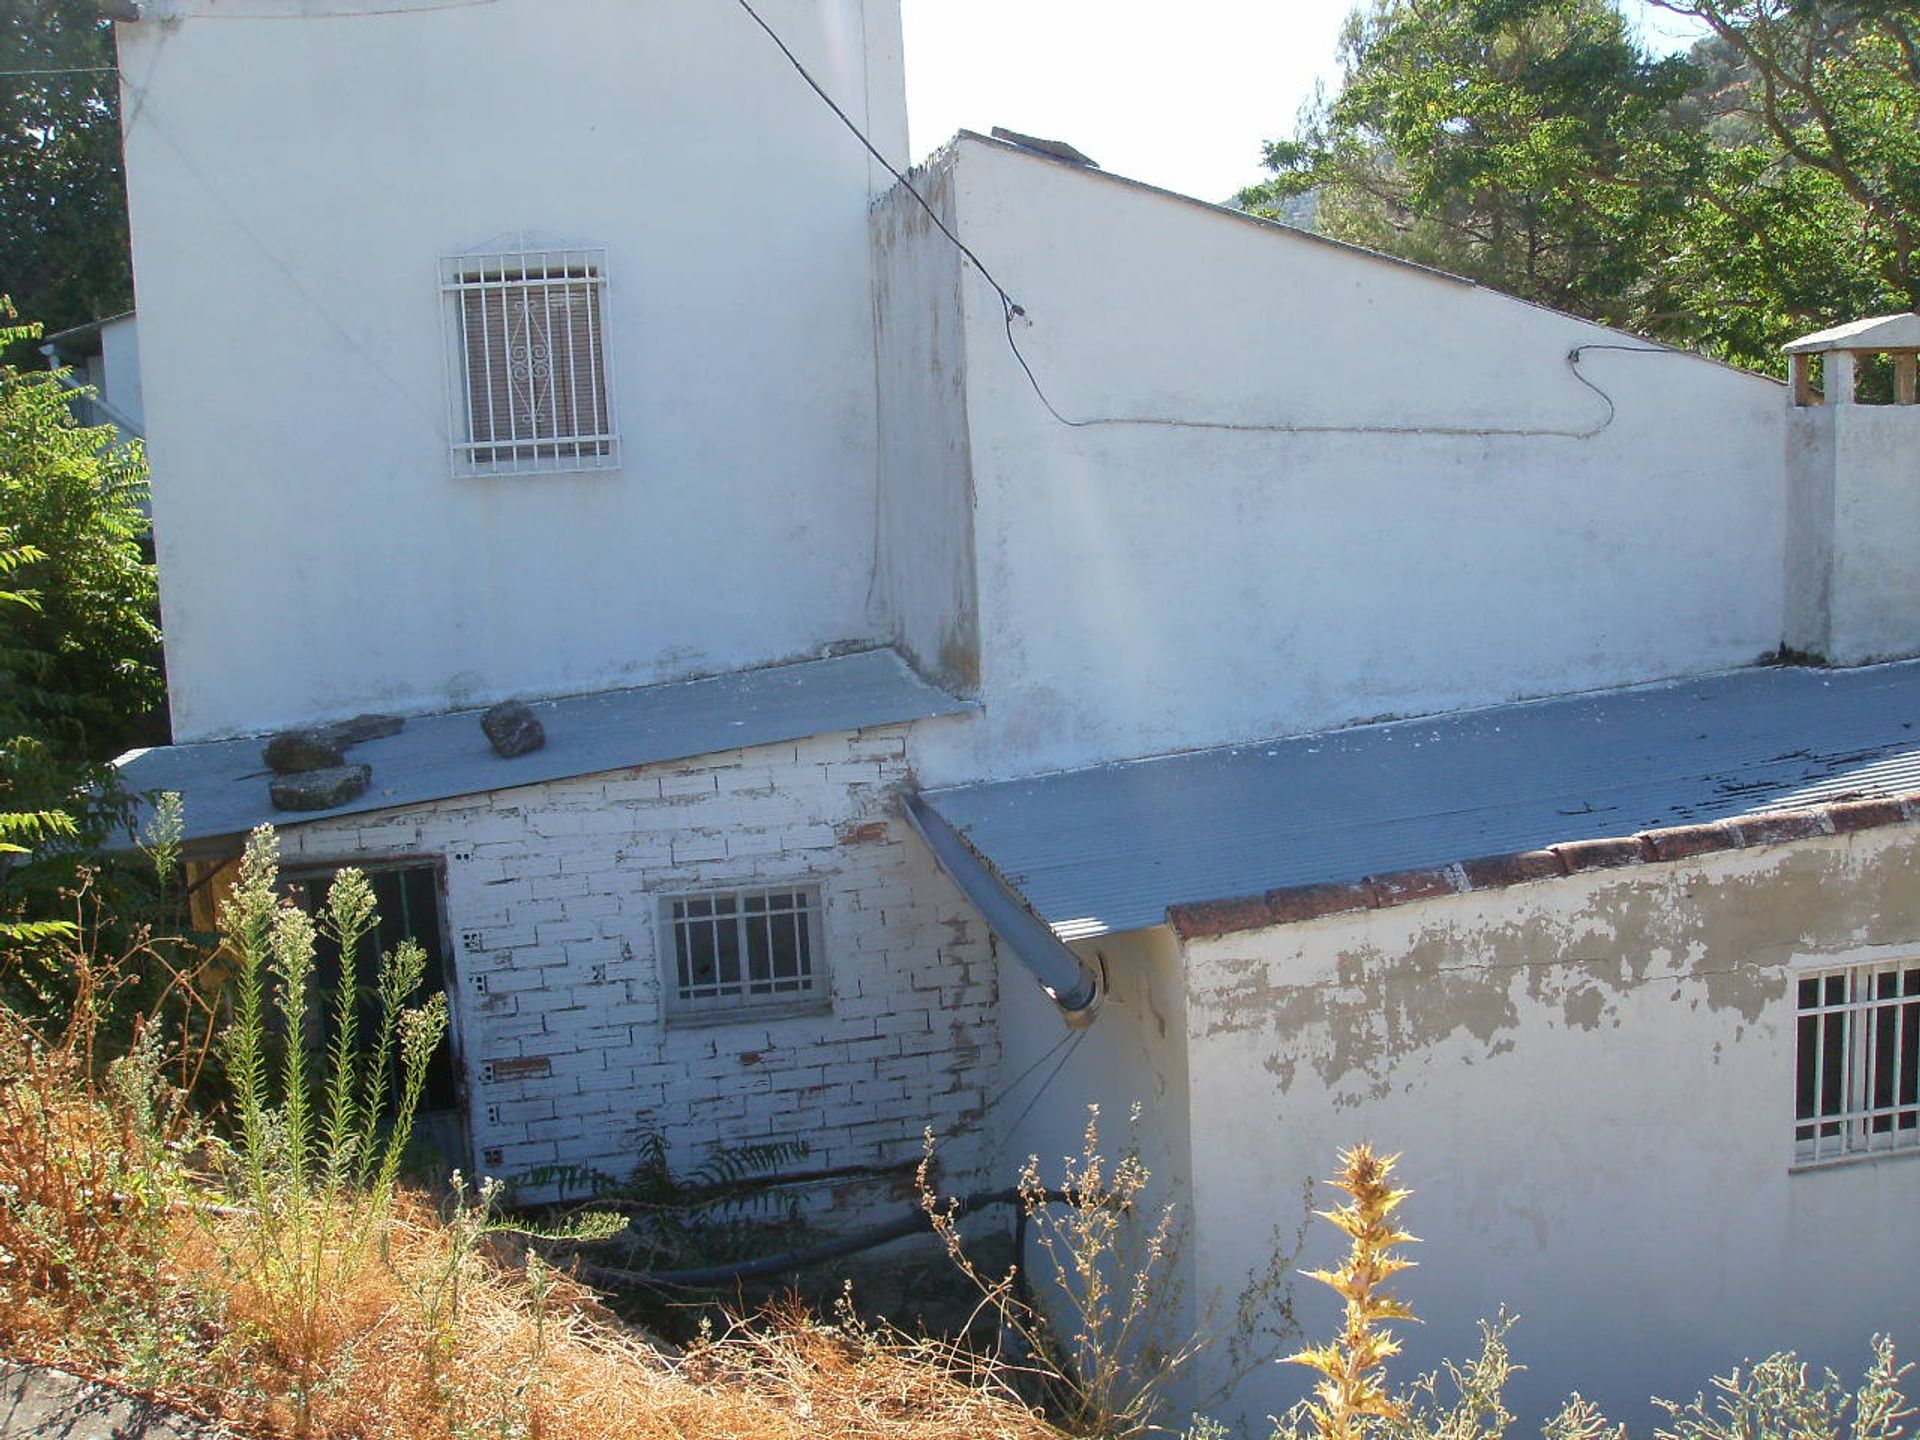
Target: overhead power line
[1013, 310]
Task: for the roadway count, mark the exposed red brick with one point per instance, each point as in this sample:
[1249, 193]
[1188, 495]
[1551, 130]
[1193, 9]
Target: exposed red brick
[1399, 887]
[1578, 855]
[751, 1057]
[874, 832]
[1847, 816]
[1677, 842]
[1309, 902]
[1779, 826]
[1496, 872]
[524, 1067]
[1207, 918]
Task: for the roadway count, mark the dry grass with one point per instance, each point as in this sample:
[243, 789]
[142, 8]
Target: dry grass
[268, 1283]
[81, 1201]
[423, 1338]
[512, 1351]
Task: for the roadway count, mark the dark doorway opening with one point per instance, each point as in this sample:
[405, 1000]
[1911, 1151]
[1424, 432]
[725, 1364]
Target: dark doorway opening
[409, 895]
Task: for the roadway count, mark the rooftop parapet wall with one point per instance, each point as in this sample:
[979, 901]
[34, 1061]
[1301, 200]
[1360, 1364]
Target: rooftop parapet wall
[1291, 485]
[1209, 919]
[1853, 553]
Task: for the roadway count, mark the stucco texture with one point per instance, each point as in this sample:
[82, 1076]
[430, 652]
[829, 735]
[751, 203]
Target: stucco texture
[1591, 1081]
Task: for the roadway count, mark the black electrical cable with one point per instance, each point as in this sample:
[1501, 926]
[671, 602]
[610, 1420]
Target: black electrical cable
[1012, 309]
[886, 164]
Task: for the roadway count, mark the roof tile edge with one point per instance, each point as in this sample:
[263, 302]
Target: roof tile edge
[1211, 919]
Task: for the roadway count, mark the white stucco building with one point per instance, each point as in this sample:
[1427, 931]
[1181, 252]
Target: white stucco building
[1145, 655]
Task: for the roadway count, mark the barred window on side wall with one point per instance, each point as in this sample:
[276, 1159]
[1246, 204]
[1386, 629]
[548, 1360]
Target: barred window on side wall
[1857, 1062]
[528, 346]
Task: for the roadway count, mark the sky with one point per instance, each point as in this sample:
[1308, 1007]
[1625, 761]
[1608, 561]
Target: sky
[1179, 93]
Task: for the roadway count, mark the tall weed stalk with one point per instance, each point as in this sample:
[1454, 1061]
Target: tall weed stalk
[315, 1160]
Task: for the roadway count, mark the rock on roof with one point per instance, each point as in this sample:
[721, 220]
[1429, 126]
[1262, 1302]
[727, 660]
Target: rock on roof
[436, 757]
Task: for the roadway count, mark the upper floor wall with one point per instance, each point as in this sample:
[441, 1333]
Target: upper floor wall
[300, 172]
[1292, 485]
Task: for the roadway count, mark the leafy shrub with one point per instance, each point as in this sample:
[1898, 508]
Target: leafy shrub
[726, 1209]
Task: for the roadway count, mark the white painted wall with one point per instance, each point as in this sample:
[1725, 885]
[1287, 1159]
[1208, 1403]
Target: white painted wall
[552, 897]
[925, 583]
[117, 371]
[1591, 1081]
[1143, 589]
[1856, 469]
[1134, 1053]
[296, 171]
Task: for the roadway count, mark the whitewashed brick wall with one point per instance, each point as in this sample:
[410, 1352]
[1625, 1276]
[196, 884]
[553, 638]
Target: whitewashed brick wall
[552, 896]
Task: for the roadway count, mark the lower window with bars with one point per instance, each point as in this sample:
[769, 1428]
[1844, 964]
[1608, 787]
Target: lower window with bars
[1857, 1062]
[734, 954]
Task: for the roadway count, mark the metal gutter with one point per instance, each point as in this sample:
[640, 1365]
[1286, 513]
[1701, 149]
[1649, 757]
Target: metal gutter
[1068, 980]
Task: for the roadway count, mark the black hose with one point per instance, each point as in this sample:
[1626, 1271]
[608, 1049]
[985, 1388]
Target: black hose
[715, 1276]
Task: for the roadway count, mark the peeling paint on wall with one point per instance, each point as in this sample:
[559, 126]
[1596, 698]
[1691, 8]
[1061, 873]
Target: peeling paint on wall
[1720, 935]
[1593, 1080]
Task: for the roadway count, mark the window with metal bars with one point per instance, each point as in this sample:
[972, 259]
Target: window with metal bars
[528, 341]
[1857, 1062]
[733, 953]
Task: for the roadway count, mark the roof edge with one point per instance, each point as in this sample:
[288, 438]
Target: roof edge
[1211, 919]
[1313, 237]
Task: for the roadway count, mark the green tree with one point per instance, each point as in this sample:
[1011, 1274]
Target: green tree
[63, 208]
[1765, 185]
[1529, 144]
[1810, 210]
[79, 637]
[74, 496]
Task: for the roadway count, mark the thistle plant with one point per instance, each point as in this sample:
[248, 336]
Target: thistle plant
[1352, 1386]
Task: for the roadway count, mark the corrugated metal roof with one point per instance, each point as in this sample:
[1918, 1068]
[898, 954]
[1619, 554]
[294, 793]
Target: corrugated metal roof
[1109, 848]
[440, 756]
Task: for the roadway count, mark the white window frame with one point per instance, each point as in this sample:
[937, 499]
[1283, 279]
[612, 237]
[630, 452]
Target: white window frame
[1856, 1060]
[736, 999]
[559, 411]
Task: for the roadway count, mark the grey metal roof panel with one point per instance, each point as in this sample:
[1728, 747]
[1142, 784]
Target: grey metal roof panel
[1110, 848]
[437, 757]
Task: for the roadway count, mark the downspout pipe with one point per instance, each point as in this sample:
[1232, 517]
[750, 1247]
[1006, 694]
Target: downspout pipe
[1069, 981]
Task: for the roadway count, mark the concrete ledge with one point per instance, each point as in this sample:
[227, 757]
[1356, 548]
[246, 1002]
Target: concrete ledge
[38, 1400]
[1208, 919]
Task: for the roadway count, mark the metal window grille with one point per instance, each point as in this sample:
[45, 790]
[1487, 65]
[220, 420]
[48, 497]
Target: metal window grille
[1857, 1062]
[744, 950]
[528, 344]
